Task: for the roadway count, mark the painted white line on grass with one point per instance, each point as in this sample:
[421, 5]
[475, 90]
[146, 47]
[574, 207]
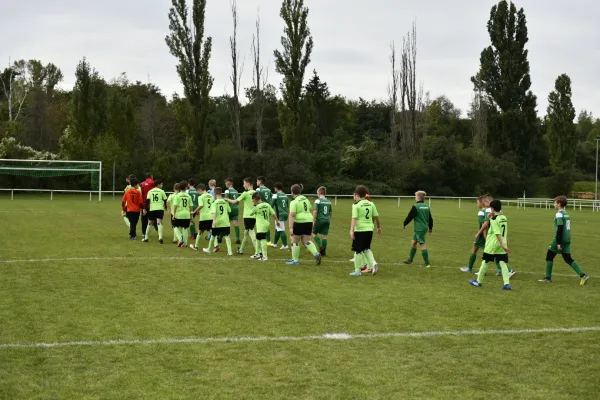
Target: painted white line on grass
[174, 258]
[327, 336]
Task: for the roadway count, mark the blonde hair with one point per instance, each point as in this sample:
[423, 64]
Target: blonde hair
[421, 195]
[322, 190]
[212, 183]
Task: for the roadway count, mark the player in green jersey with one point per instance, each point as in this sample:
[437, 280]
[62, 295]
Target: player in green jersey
[301, 221]
[281, 205]
[322, 212]
[221, 226]
[364, 218]
[212, 184]
[561, 243]
[496, 246]
[171, 208]
[249, 219]
[204, 208]
[195, 196]
[156, 203]
[232, 194]
[183, 214]
[266, 195]
[263, 212]
[421, 214]
[479, 239]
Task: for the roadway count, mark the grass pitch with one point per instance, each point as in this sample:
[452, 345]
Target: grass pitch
[69, 274]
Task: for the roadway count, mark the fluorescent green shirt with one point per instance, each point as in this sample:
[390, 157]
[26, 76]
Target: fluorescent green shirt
[301, 206]
[206, 201]
[171, 201]
[222, 209]
[498, 226]
[263, 212]
[157, 199]
[246, 199]
[184, 204]
[364, 211]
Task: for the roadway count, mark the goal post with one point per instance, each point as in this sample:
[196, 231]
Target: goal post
[53, 169]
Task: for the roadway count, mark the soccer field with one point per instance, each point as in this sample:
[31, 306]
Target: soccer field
[87, 314]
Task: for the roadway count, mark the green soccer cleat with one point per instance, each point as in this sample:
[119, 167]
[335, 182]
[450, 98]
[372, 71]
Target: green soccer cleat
[584, 280]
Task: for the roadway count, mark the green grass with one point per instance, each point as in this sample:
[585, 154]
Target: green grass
[103, 287]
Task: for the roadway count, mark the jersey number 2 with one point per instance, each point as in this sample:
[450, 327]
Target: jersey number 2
[368, 212]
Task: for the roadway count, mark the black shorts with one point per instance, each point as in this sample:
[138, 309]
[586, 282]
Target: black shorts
[302, 228]
[156, 214]
[205, 226]
[362, 241]
[225, 231]
[181, 223]
[249, 223]
[495, 257]
[261, 236]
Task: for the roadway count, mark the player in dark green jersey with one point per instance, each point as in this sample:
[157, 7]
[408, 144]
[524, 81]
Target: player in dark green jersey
[195, 196]
[232, 194]
[561, 243]
[479, 239]
[266, 195]
[281, 205]
[171, 209]
[496, 246]
[322, 212]
[421, 214]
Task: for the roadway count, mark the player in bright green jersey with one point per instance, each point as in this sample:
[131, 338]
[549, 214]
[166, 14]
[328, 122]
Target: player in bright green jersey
[195, 196]
[171, 208]
[249, 220]
[301, 221]
[156, 203]
[322, 212]
[496, 246]
[266, 195]
[221, 225]
[421, 214]
[281, 205]
[183, 214]
[479, 238]
[364, 218]
[263, 212]
[561, 243]
[232, 194]
[205, 202]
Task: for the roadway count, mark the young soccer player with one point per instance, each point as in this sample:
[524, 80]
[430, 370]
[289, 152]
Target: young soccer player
[211, 190]
[496, 246]
[322, 213]
[195, 196]
[479, 237]
[263, 212]
[124, 213]
[249, 219]
[206, 218]
[421, 213]
[183, 214]
[146, 186]
[221, 226]
[171, 208]
[280, 204]
[364, 213]
[561, 243]
[156, 203]
[266, 195]
[132, 204]
[232, 194]
[301, 226]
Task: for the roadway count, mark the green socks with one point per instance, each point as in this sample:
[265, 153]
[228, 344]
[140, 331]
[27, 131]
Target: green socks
[284, 239]
[324, 244]
[576, 268]
[318, 242]
[264, 247]
[193, 230]
[368, 254]
[254, 241]
[295, 252]
[413, 251]
[277, 237]
[505, 276]
[126, 221]
[549, 265]
[237, 232]
[312, 248]
[482, 270]
[199, 237]
[228, 242]
[425, 255]
[472, 261]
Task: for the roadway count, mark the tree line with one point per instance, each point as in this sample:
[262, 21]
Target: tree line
[301, 132]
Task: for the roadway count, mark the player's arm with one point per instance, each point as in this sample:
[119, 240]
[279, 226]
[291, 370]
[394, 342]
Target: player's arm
[214, 222]
[559, 229]
[124, 202]
[377, 220]
[430, 222]
[292, 218]
[483, 230]
[411, 215]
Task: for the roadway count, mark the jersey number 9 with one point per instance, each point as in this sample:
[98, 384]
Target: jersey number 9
[221, 209]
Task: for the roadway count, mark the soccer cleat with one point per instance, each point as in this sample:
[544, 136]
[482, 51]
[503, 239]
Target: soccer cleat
[351, 260]
[363, 268]
[366, 271]
[255, 257]
[284, 248]
[207, 251]
[161, 241]
[272, 245]
[506, 287]
[375, 269]
[467, 270]
[238, 242]
[263, 259]
[133, 238]
[408, 262]
[499, 273]
[216, 250]
[323, 252]
[175, 242]
[318, 258]
[546, 280]
[229, 254]
[145, 240]
[355, 273]
[292, 262]
[427, 265]
[239, 251]
[473, 282]
[181, 244]
[584, 280]
[193, 247]
[511, 273]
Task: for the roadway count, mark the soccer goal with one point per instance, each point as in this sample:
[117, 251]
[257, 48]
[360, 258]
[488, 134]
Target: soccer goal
[54, 169]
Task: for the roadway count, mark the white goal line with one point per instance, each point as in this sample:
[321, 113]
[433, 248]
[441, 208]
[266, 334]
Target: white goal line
[326, 336]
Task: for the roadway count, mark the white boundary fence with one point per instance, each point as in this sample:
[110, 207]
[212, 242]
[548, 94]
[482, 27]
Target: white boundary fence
[575, 204]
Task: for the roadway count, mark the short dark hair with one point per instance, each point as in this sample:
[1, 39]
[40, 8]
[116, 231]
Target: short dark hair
[183, 185]
[256, 196]
[562, 200]
[229, 180]
[296, 189]
[148, 175]
[262, 179]
[131, 176]
[191, 182]
[133, 181]
[248, 180]
[496, 205]
[176, 187]
[157, 182]
[361, 191]
[278, 185]
[201, 186]
[218, 191]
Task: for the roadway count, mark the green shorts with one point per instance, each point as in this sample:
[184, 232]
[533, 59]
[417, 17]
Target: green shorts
[479, 242]
[321, 228]
[565, 248]
[419, 237]
[283, 217]
[233, 216]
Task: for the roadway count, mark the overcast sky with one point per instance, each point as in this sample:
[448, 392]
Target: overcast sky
[351, 38]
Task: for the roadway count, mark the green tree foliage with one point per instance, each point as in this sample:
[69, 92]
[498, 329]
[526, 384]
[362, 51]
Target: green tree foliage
[291, 62]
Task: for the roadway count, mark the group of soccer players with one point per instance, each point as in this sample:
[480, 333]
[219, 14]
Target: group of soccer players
[215, 210]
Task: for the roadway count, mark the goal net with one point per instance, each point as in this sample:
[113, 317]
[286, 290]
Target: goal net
[75, 175]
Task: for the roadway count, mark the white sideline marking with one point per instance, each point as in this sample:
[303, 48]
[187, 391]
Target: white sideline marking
[327, 336]
[171, 258]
